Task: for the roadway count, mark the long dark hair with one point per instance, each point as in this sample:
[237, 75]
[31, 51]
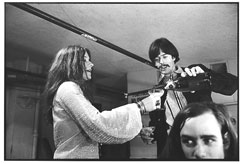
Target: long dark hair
[68, 65]
[173, 149]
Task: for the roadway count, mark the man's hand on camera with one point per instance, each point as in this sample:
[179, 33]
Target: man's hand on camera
[192, 71]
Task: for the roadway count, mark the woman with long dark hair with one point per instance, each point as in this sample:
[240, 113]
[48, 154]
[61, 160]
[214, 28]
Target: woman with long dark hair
[78, 125]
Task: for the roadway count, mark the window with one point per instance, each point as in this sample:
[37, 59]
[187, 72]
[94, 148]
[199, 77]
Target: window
[219, 67]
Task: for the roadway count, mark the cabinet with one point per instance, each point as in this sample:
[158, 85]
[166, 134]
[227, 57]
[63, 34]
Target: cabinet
[21, 123]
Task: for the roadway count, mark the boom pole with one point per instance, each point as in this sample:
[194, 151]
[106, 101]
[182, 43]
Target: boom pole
[79, 31]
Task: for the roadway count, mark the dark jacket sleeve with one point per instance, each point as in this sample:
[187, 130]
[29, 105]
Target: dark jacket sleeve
[223, 83]
[158, 119]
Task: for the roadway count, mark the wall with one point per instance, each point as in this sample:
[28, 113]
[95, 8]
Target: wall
[22, 108]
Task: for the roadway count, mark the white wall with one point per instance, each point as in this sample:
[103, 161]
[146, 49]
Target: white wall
[141, 80]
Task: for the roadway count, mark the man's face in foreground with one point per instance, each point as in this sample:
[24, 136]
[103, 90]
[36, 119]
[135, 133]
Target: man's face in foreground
[201, 138]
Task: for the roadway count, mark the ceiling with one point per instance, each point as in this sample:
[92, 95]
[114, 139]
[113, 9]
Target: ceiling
[201, 32]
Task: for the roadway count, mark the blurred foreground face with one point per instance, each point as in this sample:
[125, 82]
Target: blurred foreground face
[201, 138]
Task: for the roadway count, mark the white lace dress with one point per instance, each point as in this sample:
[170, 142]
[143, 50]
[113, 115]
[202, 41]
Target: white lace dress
[79, 126]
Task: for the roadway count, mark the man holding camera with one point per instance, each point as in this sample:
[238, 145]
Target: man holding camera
[165, 56]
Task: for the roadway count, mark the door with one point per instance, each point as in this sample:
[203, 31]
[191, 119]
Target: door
[20, 123]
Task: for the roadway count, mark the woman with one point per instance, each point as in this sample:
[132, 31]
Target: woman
[78, 125]
[202, 131]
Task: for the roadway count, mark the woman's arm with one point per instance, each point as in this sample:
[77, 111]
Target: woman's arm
[116, 126]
